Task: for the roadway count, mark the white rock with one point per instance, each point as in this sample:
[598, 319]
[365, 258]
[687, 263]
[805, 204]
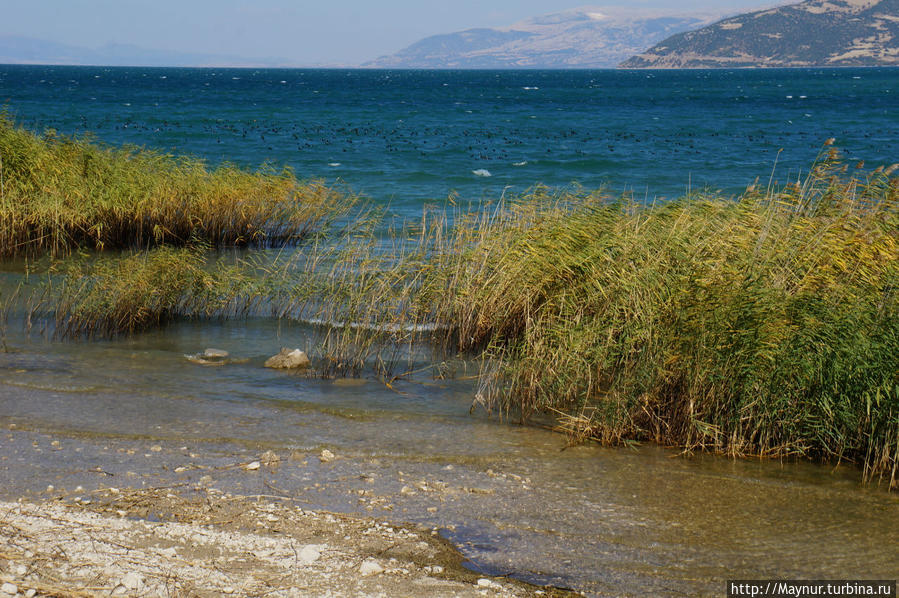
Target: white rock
[484, 583]
[437, 569]
[215, 353]
[326, 456]
[30, 593]
[309, 554]
[20, 570]
[132, 580]
[370, 567]
[288, 359]
[9, 588]
[252, 466]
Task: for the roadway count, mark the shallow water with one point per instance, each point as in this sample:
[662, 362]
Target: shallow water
[603, 521]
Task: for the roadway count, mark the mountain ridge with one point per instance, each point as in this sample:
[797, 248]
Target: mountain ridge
[811, 33]
[586, 37]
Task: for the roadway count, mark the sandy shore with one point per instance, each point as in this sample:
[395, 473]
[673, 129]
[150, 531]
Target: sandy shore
[166, 542]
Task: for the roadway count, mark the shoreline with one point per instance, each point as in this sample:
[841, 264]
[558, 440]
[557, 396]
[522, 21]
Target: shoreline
[155, 542]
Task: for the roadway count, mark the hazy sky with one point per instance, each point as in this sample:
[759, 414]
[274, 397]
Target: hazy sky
[304, 31]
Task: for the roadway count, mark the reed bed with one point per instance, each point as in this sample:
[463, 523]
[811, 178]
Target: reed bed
[764, 325]
[61, 193]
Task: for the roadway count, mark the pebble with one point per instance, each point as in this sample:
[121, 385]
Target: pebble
[370, 567]
[30, 593]
[326, 456]
[309, 554]
[9, 588]
[132, 580]
[252, 466]
[20, 570]
[156, 448]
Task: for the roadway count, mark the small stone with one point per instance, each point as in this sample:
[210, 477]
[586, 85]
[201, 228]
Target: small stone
[51, 488]
[215, 354]
[79, 488]
[227, 590]
[252, 466]
[288, 359]
[30, 593]
[20, 570]
[326, 456]
[9, 588]
[370, 567]
[156, 448]
[309, 554]
[269, 458]
[484, 583]
[406, 490]
[437, 569]
[132, 580]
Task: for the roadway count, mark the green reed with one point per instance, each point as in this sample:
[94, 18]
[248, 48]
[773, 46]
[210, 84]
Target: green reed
[60, 193]
[763, 325]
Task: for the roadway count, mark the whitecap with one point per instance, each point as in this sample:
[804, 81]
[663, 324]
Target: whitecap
[528, 87]
[334, 164]
[481, 172]
[524, 163]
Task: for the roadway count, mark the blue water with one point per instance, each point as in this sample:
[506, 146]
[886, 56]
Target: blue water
[414, 137]
[603, 521]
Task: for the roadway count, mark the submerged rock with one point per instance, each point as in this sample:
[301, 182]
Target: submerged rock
[288, 359]
[209, 357]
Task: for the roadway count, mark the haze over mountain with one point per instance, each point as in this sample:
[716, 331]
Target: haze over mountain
[810, 33]
[26, 50]
[589, 37]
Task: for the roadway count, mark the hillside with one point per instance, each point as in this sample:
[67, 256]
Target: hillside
[810, 33]
[581, 38]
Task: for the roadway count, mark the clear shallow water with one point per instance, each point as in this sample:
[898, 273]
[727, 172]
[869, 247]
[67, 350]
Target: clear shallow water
[411, 137]
[604, 521]
[607, 522]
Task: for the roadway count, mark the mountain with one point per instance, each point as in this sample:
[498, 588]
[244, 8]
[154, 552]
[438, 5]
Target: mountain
[580, 38]
[25, 50]
[810, 33]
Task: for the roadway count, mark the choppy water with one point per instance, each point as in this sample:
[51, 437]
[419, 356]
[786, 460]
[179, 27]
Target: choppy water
[409, 137]
[641, 522]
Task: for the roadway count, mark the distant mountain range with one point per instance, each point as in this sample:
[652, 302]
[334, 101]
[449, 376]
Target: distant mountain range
[581, 38]
[25, 50]
[810, 33]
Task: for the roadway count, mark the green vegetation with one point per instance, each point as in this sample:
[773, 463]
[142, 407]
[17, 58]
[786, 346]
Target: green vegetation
[60, 193]
[766, 325]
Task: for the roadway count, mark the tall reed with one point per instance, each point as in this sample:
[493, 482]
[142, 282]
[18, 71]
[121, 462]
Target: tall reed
[60, 193]
[762, 325]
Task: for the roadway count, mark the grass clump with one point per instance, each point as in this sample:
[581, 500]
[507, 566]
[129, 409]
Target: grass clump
[139, 290]
[60, 193]
[767, 325]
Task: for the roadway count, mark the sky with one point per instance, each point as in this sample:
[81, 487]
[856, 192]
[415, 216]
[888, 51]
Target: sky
[320, 32]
